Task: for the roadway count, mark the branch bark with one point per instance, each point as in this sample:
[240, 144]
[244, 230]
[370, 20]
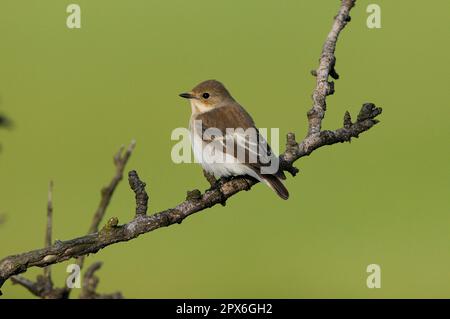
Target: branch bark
[195, 202]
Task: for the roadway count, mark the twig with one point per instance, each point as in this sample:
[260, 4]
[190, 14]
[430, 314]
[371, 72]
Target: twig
[43, 287]
[326, 68]
[48, 233]
[196, 201]
[210, 178]
[120, 161]
[141, 196]
[28, 284]
[90, 283]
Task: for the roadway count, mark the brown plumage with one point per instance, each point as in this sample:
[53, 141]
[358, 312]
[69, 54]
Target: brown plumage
[214, 106]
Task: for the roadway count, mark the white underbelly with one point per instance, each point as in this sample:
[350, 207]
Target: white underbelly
[219, 164]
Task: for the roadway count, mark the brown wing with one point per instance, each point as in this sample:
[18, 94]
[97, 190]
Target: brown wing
[228, 116]
[234, 116]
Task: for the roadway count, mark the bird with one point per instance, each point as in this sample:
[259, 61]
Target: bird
[225, 140]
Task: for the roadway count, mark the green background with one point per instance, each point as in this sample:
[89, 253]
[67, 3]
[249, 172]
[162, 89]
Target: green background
[77, 95]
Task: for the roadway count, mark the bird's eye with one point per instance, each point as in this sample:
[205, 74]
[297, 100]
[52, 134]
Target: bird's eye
[205, 95]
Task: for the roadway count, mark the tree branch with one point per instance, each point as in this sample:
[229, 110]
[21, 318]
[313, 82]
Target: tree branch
[141, 196]
[210, 178]
[42, 288]
[195, 202]
[90, 283]
[326, 68]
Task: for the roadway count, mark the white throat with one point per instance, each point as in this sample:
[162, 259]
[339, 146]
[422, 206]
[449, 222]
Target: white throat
[198, 107]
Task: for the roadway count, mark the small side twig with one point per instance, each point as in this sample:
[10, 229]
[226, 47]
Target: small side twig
[43, 287]
[48, 233]
[90, 283]
[141, 196]
[31, 286]
[210, 178]
[120, 161]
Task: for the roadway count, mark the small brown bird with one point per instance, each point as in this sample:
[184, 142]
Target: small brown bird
[225, 139]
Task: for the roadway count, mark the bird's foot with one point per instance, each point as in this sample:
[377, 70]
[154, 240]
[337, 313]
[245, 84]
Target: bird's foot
[210, 178]
[224, 179]
[218, 185]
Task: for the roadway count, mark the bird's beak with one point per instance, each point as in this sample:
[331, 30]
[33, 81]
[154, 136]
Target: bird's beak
[187, 95]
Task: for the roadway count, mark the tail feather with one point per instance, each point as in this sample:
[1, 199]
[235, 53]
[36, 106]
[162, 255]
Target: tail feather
[277, 185]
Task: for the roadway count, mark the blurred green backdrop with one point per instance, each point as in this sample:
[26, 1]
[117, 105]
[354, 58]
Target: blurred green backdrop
[77, 95]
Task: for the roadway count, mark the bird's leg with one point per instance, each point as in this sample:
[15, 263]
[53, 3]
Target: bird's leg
[223, 180]
[248, 179]
[210, 178]
[216, 183]
[219, 184]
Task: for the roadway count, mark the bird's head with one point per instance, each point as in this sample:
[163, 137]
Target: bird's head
[207, 96]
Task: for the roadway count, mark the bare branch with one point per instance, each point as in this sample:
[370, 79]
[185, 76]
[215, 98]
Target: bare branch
[28, 284]
[90, 283]
[113, 233]
[42, 288]
[326, 68]
[48, 233]
[120, 161]
[141, 196]
[210, 178]
[366, 119]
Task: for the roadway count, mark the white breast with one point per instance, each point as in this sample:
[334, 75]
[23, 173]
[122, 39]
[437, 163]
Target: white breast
[227, 166]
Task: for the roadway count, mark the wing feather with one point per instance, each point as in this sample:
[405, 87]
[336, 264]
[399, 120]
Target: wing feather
[238, 136]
